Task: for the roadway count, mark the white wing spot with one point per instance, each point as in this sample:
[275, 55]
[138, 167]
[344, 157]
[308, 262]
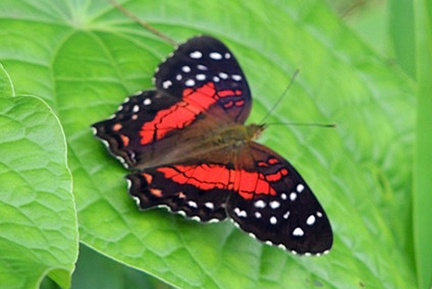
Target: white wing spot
[135, 108]
[274, 204]
[179, 77]
[282, 246]
[192, 204]
[298, 232]
[273, 220]
[286, 215]
[300, 188]
[147, 101]
[202, 67]
[122, 160]
[260, 204]
[186, 69]
[319, 214]
[215, 55]
[137, 200]
[190, 82]
[138, 93]
[311, 220]
[235, 224]
[227, 55]
[236, 77]
[209, 205]
[196, 218]
[200, 77]
[166, 84]
[216, 79]
[129, 185]
[223, 75]
[240, 213]
[293, 196]
[257, 215]
[94, 130]
[195, 55]
[283, 196]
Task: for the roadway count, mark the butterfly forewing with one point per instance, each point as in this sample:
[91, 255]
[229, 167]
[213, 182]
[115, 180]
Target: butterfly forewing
[201, 81]
[206, 62]
[125, 133]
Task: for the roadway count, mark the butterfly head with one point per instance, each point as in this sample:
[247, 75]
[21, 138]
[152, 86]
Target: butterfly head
[254, 131]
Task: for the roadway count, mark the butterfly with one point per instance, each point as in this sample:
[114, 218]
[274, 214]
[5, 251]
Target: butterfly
[188, 149]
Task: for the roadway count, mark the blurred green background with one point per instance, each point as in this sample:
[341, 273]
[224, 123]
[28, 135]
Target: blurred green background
[386, 27]
[370, 19]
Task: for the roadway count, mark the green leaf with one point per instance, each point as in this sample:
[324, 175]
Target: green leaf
[401, 28]
[423, 156]
[94, 270]
[6, 86]
[38, 227]
[87, 57]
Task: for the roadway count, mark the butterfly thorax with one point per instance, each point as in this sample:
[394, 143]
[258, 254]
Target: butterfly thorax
[235, 135]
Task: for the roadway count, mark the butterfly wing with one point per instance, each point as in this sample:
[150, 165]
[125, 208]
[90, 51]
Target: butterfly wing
[205, 61]
[274, 203]
[198, 191]
[200, 81]
[262, 193]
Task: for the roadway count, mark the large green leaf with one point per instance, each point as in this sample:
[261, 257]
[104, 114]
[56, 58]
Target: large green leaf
[85, 57]
[38, 226]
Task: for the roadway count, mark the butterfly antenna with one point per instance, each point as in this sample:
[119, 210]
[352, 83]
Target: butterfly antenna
[303, 124]
[296, 72]
[143, 23]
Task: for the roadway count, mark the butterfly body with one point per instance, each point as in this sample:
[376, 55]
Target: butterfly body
[219, 144]
[188, 149]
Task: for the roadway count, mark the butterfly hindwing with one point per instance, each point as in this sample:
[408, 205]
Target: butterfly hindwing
[199, 191]
[281, 208]
[268, 199]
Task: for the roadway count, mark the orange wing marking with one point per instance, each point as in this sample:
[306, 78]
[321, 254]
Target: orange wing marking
[183, 113]
[125, 140]
[211, 176]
